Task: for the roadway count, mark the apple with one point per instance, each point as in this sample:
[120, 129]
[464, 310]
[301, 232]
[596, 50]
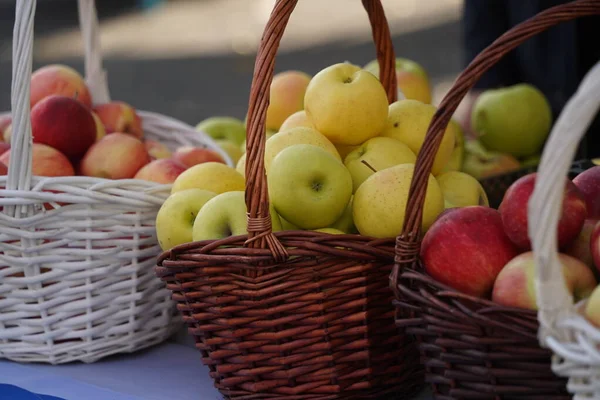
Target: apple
[457, 158]
[7, 133]
[3, 172]
[287, 226]
[331, 231]
[515, 285]
[226, 215]
[581, 248]
[56, 79]
[308, 186]
[344, 150]
[408, 121]
[345, 223]
[118, 116]
[466, 249]
[514, 212]
[588, 182]
[4, 147]
[461, 190]
[294, 136]
[233, 151]
[299, 118]
[514, 120]
[481, 163]
[286, 97]
[190, 156]
[46, 161]
[115, 156]
[380, 202]
[175, 218]
[157, 150]
[100, 131]
[65, 124]
[379, 153]
[346, 104]
[212, 176]
[165, 171]
[531, 161]
[411, 77]
[227, 128]
[592, 308]
[594, 245]
[5, 122]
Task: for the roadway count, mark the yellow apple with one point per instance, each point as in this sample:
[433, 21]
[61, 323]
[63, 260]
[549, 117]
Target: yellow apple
[457, 158]
[408, 121]
[212, 176]
[380, 202]
[232, 150]
[344, 150]
[411, 77]
[346, 104]
[592, 307]
[175, 218]
[241, 165]
[380, 153]
[286, 96]
[287, 226]
[299, 118]
[345, 223]
[461, 190]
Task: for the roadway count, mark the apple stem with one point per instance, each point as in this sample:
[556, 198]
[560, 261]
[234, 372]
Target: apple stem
[368, 165]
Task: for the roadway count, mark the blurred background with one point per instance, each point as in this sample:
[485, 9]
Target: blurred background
[191, 59]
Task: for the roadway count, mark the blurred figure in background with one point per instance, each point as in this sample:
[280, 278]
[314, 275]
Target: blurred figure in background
[554, 61]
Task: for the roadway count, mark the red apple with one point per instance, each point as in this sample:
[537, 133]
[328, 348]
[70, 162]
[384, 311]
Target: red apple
[190, 156]
[5, 122]
[3, 169]
[595, 246]
[588, 182]
[61, 80]
[65, 124]
[165, 170]
[46, 161]
[4, 147]
[115, 156]
[466, 249]
[514, 212]
[157, 150]
[581, 248]
[119, 116]
[515, 285]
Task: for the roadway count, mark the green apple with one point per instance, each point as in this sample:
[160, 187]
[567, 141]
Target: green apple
[225, 215]
[175, 218]
[379, 153]
[331, 231]
[457, 158]
[514, 120]
[228, 128]
[287, 226]
[531, 161]
[308, 186]
[481, 163]
[412, 79]
[345, 223]
[461, 190]
[232, 149]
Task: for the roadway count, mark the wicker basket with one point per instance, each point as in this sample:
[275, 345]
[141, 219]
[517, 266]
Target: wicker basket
[296, 314]
[77, 253]
[472, 348]
[575, 341]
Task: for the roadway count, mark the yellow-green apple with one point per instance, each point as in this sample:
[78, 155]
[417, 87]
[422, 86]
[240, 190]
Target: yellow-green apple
[589, 183]
[100, 131]
[5, 122]
[457, 158]
[581, 248]
[225, 215]
[294, 136]
[115, 156]
[46, 161]
[190, 156]
[287, 226]
[118, 116]
[531, 161]
[408, 121]
[157, 150]
[514, 120]
[308, 186]
[56, 79]
[299, 118]
[212, 176]
[592, 308]
[380, 202]
[286, 96]
[331, 231]
[378, 153]
[344, 150]
[268, 134]
[346, 104]
[461, 190]
[241, 165]
[65, 124]
[481, 163]
[594, 246]
[514, 212]
[466, 249]
[345, 223]
[233, 151]
[227, 128]
[515, 285]
[175, 218]
[411, 77]
[165, 171]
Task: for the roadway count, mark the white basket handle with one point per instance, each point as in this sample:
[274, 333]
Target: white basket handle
[554, 301]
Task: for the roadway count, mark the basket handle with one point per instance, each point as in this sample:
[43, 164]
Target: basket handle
[408, 243]
[544, 208]
[257, 198]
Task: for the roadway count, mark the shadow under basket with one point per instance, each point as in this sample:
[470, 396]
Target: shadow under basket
[317, 326]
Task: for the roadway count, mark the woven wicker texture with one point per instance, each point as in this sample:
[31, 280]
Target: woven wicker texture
[77, 253]
[295, 314]
[472, 348]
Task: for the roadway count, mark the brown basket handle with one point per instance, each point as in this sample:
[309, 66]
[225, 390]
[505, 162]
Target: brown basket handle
[257, 197]
[408, 243]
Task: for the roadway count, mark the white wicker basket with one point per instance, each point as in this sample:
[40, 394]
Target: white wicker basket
[574, 341]
[77, 253]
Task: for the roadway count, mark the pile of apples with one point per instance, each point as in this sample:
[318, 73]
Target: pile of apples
[487, 253]
[73, 137]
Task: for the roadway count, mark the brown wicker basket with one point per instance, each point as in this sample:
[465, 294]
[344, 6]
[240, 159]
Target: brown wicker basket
[296, 314]
[472, 348]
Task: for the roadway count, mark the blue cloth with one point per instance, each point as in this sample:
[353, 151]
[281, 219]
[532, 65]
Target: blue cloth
[11, 392]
